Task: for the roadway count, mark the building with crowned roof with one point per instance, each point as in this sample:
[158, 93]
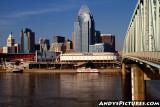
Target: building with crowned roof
[10, 40]
[84, 29]
[86, 38]
[10, 48]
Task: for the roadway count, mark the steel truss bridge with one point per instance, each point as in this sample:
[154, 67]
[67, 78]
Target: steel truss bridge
[141, 49]
[142, 41]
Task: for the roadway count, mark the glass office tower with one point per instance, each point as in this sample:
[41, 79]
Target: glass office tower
[84, 29]
[27, 41]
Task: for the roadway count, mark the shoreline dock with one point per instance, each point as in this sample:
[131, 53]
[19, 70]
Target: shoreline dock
[64, 71]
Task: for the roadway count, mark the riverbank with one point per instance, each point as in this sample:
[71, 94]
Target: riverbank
[66, 70]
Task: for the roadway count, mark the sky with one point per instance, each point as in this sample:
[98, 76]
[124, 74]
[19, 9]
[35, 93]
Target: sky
[48, 18]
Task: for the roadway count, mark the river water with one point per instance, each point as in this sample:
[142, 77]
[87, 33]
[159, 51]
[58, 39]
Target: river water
[67, 90]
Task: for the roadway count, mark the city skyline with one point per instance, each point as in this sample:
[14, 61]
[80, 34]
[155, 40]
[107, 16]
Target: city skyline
[51, 18]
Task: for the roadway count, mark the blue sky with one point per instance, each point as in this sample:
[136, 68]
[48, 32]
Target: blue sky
[48, 18]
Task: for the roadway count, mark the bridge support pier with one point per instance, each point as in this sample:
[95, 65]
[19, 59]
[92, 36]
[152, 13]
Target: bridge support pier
[123, 69]
[126, 88]
[138, 83]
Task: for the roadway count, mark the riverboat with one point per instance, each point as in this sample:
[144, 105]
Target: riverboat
[89, 70]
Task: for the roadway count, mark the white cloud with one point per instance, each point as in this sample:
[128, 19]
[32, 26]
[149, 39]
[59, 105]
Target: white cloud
[11, 18]
[42, 11]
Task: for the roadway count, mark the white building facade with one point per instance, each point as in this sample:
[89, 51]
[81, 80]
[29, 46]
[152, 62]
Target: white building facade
[93, 57]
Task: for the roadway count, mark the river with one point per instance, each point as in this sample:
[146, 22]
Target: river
[67, 89]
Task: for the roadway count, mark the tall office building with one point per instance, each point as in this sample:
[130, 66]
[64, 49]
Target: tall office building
[73, 39]
[59, 39]
[84, 29]
[109, 39]
[17, 48]
[59, 44]
[10, 48]
[10, 40]
[98, 38]
[27, 41]
[69, 44]
[44, 44]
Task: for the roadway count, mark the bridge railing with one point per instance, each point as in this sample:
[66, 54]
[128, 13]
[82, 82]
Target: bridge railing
[155, 56]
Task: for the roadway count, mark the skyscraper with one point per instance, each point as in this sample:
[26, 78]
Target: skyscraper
[17, 47]
[109, 39]
[98, 38]
[27, 41]
[44, 44]
[10, 40]
[59, 39]
[69, 44]
[84, 29]
[59, 44]
[10, 48]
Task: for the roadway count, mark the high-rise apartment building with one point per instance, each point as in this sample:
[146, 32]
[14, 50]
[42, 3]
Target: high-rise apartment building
[27, 41]
[84, 29]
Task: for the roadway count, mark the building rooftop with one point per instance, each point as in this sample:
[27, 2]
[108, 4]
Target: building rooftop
[107, 35]
[84, 10]
[82, 54]
[10, 36]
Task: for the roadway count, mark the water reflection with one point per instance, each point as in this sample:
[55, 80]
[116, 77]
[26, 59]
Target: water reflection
[62, 90]
[153, 90]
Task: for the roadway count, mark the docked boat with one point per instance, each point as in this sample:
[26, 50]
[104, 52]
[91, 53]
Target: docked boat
[17, 70]
[89, 70]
